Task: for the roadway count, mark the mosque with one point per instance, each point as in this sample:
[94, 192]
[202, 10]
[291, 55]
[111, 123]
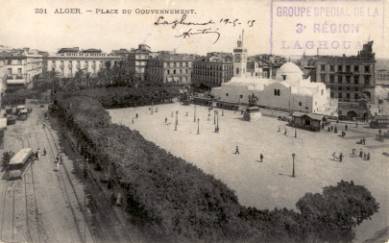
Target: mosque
[289, 91]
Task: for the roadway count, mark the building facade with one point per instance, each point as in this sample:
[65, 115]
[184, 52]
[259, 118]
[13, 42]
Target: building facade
[382, 77]
[289, 91]
[68, 61]
[3, 79]
[22, 66]
[170, 68]
[350, 78]
[212, 70]
[137, 61]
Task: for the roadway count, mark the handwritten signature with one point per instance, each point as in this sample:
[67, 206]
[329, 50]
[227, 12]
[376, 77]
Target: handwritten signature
[190, 32]
[206, 30]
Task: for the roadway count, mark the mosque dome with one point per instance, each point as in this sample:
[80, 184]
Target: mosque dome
[289, 72]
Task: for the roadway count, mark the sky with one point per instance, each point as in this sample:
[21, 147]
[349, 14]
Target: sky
[270, 26]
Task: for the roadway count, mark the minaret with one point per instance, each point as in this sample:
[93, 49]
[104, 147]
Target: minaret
[240, 58]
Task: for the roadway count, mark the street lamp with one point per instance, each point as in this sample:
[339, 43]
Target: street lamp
[176, 122]
[198, 126]
[295, 132]
[194, 114]
[214, 117]
[293, 157]
[217, 122]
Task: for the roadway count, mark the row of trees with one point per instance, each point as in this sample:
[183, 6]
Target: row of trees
[173, 197]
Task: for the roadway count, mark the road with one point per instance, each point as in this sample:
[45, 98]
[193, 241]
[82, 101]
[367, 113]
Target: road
[45, 205]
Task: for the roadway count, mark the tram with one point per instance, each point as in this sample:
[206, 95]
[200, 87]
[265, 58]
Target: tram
[18, 163]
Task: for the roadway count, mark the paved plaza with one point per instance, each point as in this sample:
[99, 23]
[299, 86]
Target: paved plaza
[268, 184]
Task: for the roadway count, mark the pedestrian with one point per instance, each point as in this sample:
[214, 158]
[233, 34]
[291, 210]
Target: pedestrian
[345, 127]
[336, 129]
[165, 120]
[132, 121]
[363, 141]
[44, 151]
[368, 156]
[340, 157]
[328, 129]
[364, 156]
[236, 149]
[136, 115]
[360, 153]
[261, 158]
[285, 132]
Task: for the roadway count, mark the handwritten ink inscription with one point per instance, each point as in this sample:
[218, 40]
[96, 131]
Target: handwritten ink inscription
[208, 27]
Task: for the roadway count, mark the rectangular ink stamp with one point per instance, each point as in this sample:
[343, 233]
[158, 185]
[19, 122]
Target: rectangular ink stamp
[325, 27]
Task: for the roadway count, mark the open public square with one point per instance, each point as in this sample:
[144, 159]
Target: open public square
[267, 184]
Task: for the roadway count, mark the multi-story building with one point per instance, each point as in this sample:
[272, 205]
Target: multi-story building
[264, 65]
[213, 70]
[137, 61]
[68, 61]
[3, 79]
[22, 66]
[382, 77]
[170, 68]
[350, 78]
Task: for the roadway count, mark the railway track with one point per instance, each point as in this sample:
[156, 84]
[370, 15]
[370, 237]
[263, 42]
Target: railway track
[8, 188]
[54, 149]
[32, 202]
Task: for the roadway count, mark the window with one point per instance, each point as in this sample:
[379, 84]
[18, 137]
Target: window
[300, 104]
[356, 79]
[332, 68]
[348, 68]
[226, 94]
[348, 79]
[10, 71]
[339, 79]
[168, 71]
[340, 68]
[174, 71]
[340, 95]
[237, 70]
[367, 68]
[356, 68]
[332, 94]
[322, 67]
[19, 70]
[367, 80]
[348, 96]
[283, 77]
[322, 77]
[332, 78]
[241, 96]
[277, 92]
[356, 96]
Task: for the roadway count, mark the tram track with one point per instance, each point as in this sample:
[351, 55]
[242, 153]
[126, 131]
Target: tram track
[32, 201]
[54, 149]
